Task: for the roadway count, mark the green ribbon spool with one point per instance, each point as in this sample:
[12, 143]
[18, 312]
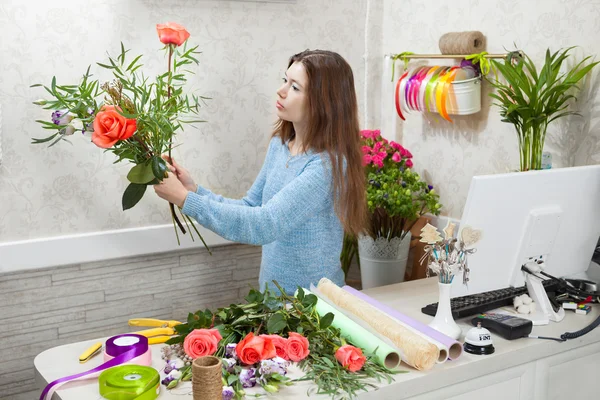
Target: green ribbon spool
[129, 382]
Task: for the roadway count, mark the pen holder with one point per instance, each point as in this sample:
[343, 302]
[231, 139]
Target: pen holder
[444, 321]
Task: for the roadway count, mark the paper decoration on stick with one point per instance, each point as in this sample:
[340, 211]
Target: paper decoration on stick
[430, 235]
[449, 230]
[470, 236]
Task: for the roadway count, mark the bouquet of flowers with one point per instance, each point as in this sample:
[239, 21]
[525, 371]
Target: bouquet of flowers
[258, 342]
[132, 116]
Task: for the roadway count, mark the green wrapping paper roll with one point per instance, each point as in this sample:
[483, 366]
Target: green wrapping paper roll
[359, 336]
[129, 382]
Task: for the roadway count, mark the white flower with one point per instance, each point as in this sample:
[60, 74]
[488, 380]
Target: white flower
[177, 363]
[175, 374]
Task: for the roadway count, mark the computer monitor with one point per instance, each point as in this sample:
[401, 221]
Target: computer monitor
[553, 214]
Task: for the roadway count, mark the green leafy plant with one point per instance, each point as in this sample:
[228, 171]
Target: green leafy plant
[396, 195]
[531, 100]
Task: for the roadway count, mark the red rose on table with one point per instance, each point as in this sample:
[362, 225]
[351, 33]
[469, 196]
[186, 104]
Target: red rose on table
[297, 347]
[253, 349]
[350, 357]
[201, 342]
[280, 345]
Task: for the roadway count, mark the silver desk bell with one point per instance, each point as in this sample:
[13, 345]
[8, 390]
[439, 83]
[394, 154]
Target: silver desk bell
[478, 341]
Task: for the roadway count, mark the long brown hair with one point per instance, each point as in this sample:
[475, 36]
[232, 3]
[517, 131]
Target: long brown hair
[333, 127]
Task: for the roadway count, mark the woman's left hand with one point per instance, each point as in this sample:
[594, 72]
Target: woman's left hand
[172, 190]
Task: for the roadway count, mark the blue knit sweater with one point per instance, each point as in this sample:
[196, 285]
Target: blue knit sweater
[289, 211]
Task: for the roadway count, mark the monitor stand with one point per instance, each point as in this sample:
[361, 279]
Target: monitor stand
[544, 310]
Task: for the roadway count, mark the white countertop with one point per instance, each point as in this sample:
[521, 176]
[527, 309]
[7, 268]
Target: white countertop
[407, 298]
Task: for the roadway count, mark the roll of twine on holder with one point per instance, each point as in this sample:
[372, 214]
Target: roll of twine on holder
[469, 42]
[206, 378]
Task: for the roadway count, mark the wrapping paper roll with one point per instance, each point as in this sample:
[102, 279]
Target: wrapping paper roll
[469, 42]
[452, 347]
[416, 351]
[359, 336]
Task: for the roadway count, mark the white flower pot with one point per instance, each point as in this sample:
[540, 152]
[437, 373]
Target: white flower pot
[382, 262]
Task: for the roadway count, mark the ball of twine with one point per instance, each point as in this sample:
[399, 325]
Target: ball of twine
[469, 42]
[206, 378]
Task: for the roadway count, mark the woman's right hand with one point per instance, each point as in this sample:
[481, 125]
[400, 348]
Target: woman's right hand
[182, 174]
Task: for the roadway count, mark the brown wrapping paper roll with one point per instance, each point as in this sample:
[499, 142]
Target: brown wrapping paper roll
[469, 42]
[416, 351]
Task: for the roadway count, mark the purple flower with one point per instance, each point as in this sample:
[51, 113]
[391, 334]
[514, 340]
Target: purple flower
[229, 364]
[61, 117]
[230, 350]
[247, 378]
[167, 380]
[228, 393]
[269, 367]
[430, 187]
[168, 368]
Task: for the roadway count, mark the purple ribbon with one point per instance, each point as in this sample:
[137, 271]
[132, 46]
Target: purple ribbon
[455, 348]
[121, 354]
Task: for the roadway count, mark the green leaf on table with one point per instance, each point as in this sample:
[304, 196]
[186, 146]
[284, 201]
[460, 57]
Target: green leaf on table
[276, 323]
[132, 195]
[326, 320]
[231, 379]
[141, 173]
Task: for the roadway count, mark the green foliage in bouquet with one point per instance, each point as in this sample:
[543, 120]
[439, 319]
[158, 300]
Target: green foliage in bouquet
[133, 116]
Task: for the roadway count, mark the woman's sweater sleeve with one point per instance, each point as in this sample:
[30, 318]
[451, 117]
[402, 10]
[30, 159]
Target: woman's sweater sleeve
[253, 197]
[299, 200]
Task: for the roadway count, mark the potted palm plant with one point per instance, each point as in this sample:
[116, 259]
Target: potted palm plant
[531, 100]
[396, 198]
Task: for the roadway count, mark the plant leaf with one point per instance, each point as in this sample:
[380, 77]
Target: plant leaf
[132, 195]
[141, 173]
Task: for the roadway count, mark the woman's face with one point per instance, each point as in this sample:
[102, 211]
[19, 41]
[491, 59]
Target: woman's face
[291, 96]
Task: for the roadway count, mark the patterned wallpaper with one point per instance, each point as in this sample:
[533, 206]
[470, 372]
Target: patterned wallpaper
[76, 189]
[450, 154]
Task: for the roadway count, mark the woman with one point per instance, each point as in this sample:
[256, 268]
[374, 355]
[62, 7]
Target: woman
[311, 186]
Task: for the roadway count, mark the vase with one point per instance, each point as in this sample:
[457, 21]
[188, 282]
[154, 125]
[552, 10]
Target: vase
[531, 145]
[444, 321]
[382, 261]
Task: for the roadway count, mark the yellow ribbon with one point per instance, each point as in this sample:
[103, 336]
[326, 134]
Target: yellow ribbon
[481, 59]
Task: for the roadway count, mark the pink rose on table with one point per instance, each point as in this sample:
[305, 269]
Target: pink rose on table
[297, 347]
[350, 357]
[201, 342]
[172, 33]
[280, 345]
[110, 127]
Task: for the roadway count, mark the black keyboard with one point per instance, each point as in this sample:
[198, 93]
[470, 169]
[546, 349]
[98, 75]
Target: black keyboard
[479, 303]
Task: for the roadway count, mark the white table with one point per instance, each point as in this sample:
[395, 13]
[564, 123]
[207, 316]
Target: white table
[520, 369]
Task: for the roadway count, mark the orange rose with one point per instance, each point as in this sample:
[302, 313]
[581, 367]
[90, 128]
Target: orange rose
[201, 342]
[350, 357]
[296, 347]
[110, 127]
[252, 349]
[172, 33]
[280, 344]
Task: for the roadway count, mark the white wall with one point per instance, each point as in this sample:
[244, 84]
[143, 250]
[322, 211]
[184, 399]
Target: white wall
[450, 154]
[74, 190]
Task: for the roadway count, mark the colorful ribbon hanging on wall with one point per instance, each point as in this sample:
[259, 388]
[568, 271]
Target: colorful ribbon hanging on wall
[427, 88]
